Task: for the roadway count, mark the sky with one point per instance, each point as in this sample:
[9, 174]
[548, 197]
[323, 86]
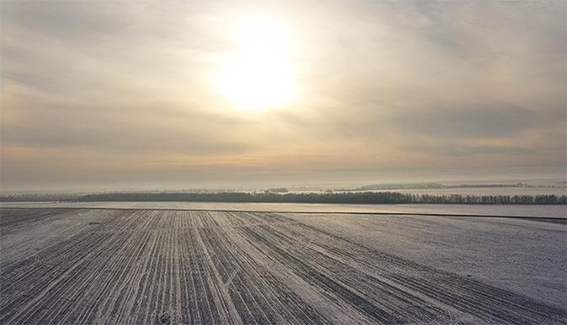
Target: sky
[103, 95]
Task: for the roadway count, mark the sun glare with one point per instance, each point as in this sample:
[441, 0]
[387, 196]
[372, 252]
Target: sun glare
[258, 74]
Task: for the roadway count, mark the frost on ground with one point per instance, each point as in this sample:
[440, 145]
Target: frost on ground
[84, 266]
[548, 211]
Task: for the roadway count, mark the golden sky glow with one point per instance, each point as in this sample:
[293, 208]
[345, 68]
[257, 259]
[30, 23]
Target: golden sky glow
[177, 94]
[259, 73]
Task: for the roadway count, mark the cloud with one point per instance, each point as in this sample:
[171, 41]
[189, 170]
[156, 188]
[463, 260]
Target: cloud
[77, 22]
[461, 151]
[420, 85]
[478, 122]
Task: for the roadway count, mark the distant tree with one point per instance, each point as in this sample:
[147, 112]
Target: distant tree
[335, 197]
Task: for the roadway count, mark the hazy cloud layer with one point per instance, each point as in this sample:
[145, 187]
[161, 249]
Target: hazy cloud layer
[118, 94]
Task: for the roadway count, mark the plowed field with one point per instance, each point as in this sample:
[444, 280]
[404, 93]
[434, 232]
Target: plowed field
[113, 266]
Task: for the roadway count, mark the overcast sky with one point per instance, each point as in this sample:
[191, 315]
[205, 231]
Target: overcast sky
[112, 95]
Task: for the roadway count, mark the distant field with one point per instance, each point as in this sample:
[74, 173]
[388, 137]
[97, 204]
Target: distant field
[152, 266]
[487, 191]
[550, 211]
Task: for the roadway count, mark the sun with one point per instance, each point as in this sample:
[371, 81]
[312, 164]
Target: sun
[258, 74]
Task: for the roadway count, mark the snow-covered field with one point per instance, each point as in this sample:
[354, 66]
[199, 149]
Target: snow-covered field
[486, 191]
[156, 266]
[549, 211]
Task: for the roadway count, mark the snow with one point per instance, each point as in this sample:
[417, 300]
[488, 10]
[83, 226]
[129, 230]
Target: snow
[549, 211]
[172, 266]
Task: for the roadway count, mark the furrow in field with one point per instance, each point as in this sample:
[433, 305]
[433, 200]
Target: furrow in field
[12, 220]
[38, 237]
[323, 280]
[60, 264]
[259, 296]
[372, 297]
[74, 293]
[469, 296]
[81, 266]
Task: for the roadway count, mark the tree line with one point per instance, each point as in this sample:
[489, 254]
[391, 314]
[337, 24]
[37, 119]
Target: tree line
[355, 198]
[39, 197]
[271, 197]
